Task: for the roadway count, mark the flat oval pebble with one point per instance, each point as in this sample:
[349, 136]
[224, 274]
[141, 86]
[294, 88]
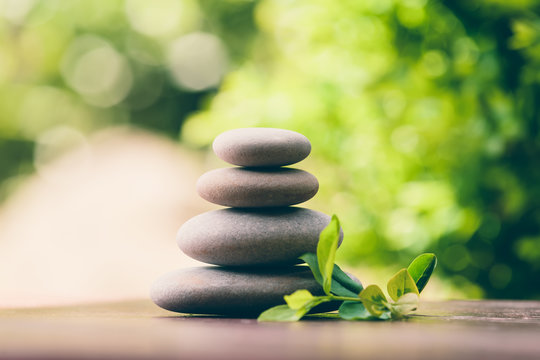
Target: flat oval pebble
[240, 237]
[261, 147]
[226, 291]
[242, 187]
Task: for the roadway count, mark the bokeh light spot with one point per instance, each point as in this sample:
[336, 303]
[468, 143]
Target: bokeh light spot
[162, 17]
[405, 139]
[198, 61]
[434, 63]
[154, 18]
[455, 257]
[528, 249]
[97, 71]
[412, 14]
[16, 10]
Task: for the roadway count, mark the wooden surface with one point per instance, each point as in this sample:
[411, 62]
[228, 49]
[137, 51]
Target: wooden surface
[140, 330]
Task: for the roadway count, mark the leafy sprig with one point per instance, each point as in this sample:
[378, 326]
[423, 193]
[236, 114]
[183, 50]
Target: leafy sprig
[357, 303]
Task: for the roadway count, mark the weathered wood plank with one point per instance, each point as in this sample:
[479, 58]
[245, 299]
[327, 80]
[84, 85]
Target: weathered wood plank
[139, 330]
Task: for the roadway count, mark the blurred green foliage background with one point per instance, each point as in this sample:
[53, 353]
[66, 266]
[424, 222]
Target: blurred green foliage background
[424, 114]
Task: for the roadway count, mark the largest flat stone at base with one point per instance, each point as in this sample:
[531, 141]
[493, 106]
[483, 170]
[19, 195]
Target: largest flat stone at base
[226, 291]
[241, 237]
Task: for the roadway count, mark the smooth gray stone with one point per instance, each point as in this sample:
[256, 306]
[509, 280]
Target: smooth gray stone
[242, 187]
[241, 237]
[261, 147]
[226, 291]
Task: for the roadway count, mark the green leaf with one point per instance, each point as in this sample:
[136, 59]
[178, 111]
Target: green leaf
[281, 313]
[374, 300]
[313, 263]
[404, 305]
[349, 285]
[342, 284]
[338, 289]
[421, 269]
[401, 284]
[298, 299]
[285, 313]
[353, 310]
[326, 251]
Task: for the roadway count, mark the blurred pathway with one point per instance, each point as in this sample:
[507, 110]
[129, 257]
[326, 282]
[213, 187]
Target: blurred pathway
[99, 222]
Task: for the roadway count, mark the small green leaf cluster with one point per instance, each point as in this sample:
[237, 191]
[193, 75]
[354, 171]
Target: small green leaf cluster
[357, 303]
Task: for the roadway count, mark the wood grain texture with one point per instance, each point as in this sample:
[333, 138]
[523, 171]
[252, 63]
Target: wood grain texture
[140, 330]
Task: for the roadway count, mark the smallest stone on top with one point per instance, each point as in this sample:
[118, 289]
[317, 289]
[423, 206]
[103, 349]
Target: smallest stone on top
[261, 147]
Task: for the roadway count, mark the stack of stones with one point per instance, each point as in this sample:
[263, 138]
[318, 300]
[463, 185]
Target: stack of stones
[257, 240]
